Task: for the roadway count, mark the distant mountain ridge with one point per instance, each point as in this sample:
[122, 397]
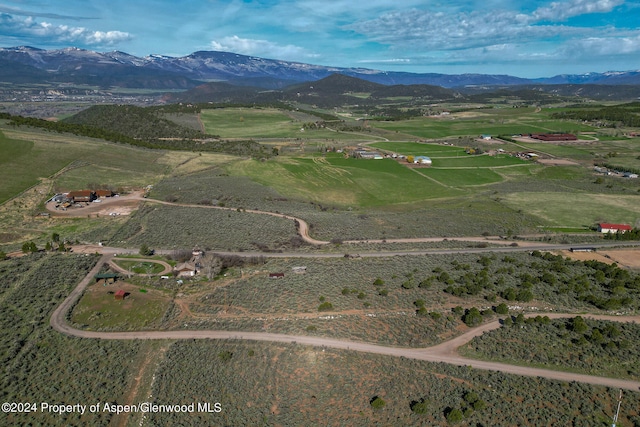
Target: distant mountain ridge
[26, 64]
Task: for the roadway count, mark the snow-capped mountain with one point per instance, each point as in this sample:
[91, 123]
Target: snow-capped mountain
[116, 68]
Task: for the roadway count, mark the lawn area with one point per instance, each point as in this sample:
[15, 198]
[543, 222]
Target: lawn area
[577, 209]
[140, 267]
[99, 310]
[351, 182]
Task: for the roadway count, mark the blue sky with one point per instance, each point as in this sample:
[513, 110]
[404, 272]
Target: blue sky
[528, 39]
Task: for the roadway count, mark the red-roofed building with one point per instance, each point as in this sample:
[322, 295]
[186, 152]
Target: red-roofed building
[120, 294]
[604, 227]
[554, 136]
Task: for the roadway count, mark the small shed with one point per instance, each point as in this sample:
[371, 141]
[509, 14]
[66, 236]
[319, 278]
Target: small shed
[104, 193]
[299, 270]
[107, 277]
[120, 294]
[422, 160]
[81, 196]
[276, 275]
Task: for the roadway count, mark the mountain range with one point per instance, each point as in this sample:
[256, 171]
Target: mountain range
[118, 69]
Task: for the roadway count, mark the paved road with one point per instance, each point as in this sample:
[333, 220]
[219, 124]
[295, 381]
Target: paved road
[445, 352]
[531, 246]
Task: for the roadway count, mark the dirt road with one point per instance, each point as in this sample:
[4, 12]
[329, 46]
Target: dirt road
[445, 352]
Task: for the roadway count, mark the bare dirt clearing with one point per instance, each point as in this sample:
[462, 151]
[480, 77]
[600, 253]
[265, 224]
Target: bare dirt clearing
[557, 162]
[111, 206]
[627, 258]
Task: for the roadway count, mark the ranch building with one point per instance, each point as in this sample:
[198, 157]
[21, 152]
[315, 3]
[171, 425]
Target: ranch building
[81, 196]
[422, 160]
[554, 136]
[604, 227]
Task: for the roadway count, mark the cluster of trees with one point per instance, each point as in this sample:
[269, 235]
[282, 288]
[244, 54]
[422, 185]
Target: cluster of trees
[592, 346]
[619, 168]
[628, 235]
[625, 115]
[140, 127]
[55, 244]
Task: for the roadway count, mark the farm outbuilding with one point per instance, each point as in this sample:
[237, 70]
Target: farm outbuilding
[605, 227]
[120, 294]
[107, 277]
[276, 275]
[554, 136]
[422, 160]
[81, 196]
[104, 193]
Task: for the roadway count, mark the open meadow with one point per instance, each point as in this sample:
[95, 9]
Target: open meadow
[265, 123]
[506, 121]
[403, 301]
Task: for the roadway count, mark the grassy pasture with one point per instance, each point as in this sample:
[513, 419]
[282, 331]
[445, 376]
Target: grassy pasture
[262, 123]
[568, 151]
[429, 127]
[479, 162]
[249, 122]
[420, 149]
[463, 177]
[86, 160]
[99, 310]
[340, 181]
[577, 209]
[140, 267]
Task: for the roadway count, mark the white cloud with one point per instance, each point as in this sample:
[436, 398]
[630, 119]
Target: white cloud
[437, 30]
[48, 32]
[560, 11]
[263, 48]
[423, 29]
[628, 44]
[385, 61]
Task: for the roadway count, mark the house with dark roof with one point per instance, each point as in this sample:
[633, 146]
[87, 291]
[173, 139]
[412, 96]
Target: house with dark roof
[186, 269]
[104, 193]
[81, 196]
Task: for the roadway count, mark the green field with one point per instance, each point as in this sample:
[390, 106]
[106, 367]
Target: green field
[420, 149]
[577, 209]
[262, 123]
[38, 155]
[351, 182]
[463, 177]
[99, 310]
[476, 124]
[140, 267]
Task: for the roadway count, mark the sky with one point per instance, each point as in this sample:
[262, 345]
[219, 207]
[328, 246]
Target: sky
[534, 38]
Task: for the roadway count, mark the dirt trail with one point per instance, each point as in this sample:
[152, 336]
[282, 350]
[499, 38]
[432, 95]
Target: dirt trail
[445, 352]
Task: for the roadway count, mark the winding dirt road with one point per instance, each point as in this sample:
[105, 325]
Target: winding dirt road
[445, 352]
